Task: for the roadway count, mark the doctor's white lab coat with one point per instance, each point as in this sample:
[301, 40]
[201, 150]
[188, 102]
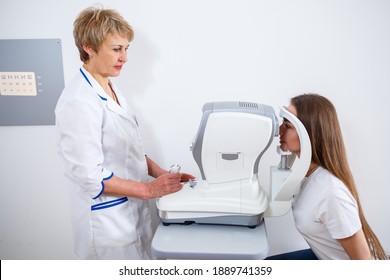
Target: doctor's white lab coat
[98, 139]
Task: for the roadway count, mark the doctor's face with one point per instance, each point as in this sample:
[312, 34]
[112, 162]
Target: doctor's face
[289, 140]
[111, 57]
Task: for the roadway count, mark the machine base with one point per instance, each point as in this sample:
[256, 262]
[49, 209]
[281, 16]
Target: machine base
[235, 220]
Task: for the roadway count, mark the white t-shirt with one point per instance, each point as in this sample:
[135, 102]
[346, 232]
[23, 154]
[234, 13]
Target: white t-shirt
[325, 211]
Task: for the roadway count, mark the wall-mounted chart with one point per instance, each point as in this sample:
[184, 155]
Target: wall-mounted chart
[31, 81]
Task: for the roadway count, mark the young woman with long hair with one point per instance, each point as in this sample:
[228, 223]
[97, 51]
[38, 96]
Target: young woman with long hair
[326, 209]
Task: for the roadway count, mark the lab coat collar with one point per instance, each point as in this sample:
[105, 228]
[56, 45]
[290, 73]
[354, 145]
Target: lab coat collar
[110, 103]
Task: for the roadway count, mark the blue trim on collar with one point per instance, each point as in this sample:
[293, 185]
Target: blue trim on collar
[86, 78]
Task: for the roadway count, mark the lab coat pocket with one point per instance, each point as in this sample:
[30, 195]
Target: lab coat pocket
[112, 223]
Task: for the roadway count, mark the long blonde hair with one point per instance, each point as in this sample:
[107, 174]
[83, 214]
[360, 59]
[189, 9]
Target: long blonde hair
[319, 117]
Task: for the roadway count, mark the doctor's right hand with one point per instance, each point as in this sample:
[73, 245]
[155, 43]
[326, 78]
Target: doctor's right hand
[164, 184]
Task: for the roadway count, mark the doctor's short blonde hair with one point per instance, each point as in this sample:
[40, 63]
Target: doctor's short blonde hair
[92, 26]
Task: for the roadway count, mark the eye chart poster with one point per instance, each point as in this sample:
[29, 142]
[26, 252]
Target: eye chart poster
[31, 81]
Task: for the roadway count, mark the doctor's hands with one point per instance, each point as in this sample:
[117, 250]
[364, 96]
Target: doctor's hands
[164, 184]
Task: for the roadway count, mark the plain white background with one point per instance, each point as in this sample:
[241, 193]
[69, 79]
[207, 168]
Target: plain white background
[186, 53]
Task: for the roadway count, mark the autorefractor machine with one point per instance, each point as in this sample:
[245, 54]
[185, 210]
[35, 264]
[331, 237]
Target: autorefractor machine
[229, 145]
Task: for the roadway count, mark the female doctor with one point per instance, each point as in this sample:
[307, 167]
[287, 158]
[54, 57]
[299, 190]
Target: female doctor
[101, 148]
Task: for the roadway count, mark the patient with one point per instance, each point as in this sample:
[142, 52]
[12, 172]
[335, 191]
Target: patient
[326, 208]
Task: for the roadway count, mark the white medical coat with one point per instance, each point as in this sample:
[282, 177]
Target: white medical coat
[99, 139]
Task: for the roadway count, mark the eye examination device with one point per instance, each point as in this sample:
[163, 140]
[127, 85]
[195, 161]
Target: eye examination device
[231, 140]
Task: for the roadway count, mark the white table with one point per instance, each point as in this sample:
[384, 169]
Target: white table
[205, 242]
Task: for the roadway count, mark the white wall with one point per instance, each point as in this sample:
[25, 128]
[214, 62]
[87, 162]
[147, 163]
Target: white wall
[186, 53]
